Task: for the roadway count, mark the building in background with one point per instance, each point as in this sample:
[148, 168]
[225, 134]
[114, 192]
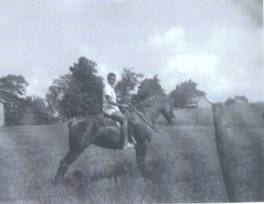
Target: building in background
[197, 102]
[2, 113]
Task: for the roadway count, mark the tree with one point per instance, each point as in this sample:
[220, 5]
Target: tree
[230, 101]
[78, 93]
[12, 90]
[56, 94]
[148, 87]
[240, 98]
[14, 85]
[184, 92]
[127, 84]
[37, 112]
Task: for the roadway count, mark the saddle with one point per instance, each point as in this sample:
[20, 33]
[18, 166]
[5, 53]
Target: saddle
[108, 121]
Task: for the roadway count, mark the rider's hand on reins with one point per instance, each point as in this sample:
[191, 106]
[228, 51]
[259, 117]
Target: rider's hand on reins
[123, 107]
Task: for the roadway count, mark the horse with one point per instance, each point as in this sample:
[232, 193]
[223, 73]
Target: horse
[157, 105]
[97, 130]
[104, 133]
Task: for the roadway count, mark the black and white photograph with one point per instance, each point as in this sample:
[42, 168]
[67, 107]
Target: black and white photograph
[131, 101]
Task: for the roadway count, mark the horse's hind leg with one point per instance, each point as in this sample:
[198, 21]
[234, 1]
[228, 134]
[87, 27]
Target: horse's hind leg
[65, 163]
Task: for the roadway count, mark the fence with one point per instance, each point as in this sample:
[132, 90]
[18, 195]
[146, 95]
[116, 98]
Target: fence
[237, 115]
[239, 138]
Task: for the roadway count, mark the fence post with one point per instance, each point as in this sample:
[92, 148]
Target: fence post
[218, 121]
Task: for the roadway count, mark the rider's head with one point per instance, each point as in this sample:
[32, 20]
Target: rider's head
[111, 78]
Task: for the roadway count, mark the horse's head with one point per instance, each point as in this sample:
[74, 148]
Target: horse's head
[156, 105]
[167, 112]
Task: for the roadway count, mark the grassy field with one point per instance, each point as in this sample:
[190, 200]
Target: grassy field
[182, 161]
[182, 164]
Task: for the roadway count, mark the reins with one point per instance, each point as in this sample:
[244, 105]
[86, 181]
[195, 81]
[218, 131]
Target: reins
[143, 119]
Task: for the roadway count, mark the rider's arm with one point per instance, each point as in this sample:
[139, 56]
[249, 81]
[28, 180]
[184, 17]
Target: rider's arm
[110, 101]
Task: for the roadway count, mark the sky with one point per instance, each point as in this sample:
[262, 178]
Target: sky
[216, 43]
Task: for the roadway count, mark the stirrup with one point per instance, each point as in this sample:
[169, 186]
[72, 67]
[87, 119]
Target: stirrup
[133, 141]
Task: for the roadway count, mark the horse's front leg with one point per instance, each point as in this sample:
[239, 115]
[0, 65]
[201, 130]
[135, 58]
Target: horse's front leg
[130, 136]
[78, 142]
[141, 157]
[65, 163]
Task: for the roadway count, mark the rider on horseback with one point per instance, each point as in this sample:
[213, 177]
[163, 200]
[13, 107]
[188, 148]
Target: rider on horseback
[111, 107]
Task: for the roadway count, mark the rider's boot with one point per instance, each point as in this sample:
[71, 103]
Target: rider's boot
[133, 141]
[127, 143]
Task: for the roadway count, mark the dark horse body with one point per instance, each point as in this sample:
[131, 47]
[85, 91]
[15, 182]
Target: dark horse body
[96, 130]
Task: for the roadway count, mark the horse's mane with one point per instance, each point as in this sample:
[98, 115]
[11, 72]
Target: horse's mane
[153, 101]
[140, 119]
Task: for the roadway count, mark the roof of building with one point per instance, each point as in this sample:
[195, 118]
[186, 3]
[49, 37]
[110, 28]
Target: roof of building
[2, 100]
[197, 101]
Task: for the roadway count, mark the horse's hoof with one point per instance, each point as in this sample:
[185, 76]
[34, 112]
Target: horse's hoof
[145, 173]
[57, 180]
[78, 174]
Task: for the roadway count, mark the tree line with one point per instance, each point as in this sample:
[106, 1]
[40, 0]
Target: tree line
[79, 93]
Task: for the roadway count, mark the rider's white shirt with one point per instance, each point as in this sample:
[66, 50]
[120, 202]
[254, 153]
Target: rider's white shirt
[108, 108]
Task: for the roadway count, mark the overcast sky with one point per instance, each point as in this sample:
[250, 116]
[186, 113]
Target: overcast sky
[216, 43]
